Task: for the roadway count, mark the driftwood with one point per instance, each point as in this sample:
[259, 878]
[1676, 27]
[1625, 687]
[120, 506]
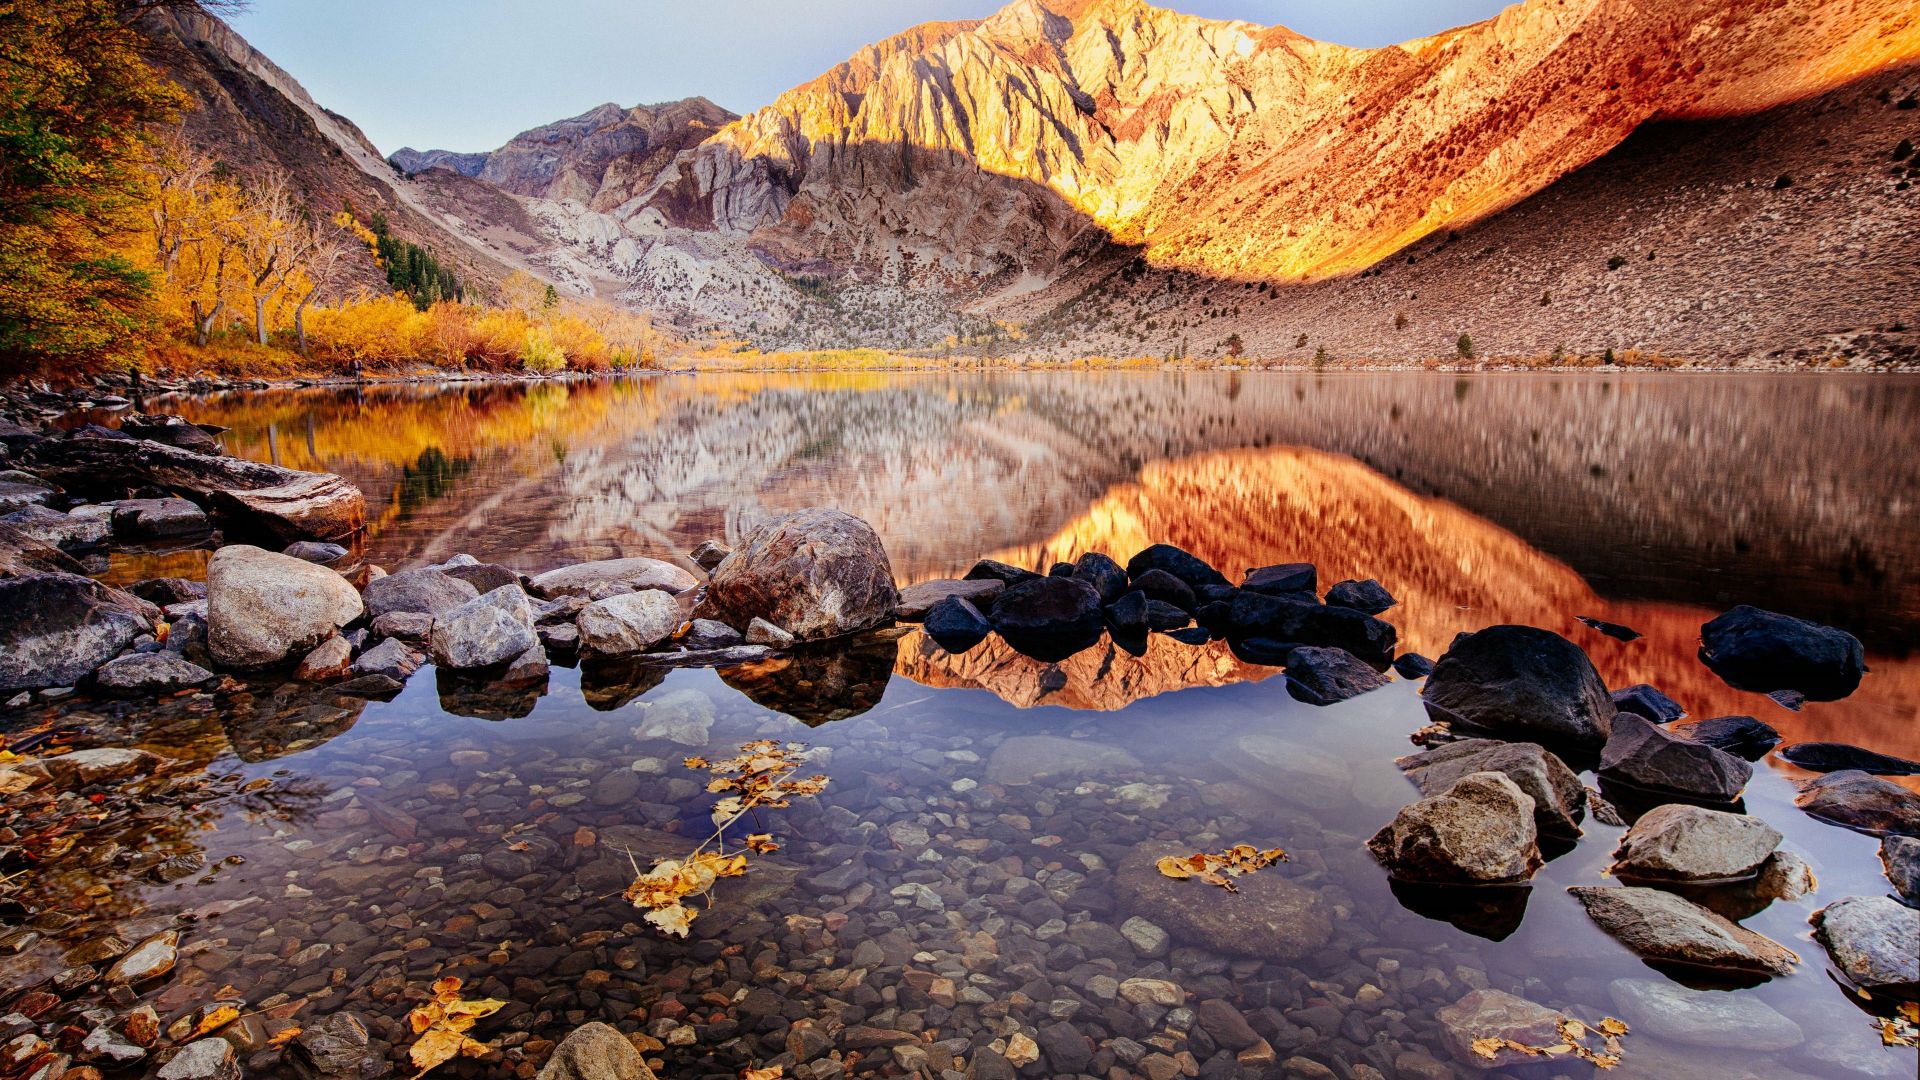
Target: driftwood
[248, 495]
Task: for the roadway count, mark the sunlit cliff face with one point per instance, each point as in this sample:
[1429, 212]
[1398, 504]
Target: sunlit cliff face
[1450, 570]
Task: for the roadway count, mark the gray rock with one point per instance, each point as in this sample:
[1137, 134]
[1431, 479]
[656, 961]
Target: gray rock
[1559, 798]
[264, 607]
[1875, 941]
[1900, 855]
[405, 625]
[762, 632]
[158, 519]
[484, 631]
[56, 628]
[1648, 703]
[708, 634]
[1713, 1018]
[708, 554]
[595, 1052]
[1270, 918]
[391, 658]
[1862, 802]
[138, 674]
[1480, 832]
[1682, 843]
[1321, 675]
[16, 496]
[1025, 759]
[628, 623]
[816, 573]
[60, 530]
[1486, 1014]
[422, 591]
[484, 577]
[1520, 682]
[203, 1059]
[316, 551]
[611, 577]
[1645, 755]
[335, 1048]
[917, 599]
[1660, 927]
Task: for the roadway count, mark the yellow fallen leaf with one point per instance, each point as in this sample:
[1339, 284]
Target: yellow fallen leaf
[771, 1072]
[1489, 1047]
[1174, 867]
[672, 919]
[220, 1017]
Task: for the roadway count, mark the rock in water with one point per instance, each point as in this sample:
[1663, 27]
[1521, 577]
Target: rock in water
[1681, 843]
[1741, 736]
[956, 625]
[1648, 703]
[336, 1048]
[1271, 918]
[1861, 802]
[917, 599]
[1412, 666]
[816, 573]
[1025, 759]
[1875, 941]
[1368, 597]
[1480, 832]
[264, 607]
[1559, 798]
[1647, 756]
[421, 591]
[1764, 651]
[1288, 579]
[762, 632]
[1049, 618]
[1663, 928]
[488, 630]
[1837, 757]
[595, 1052]
[611, 577]
[1673, 1013]
[1494, 1014]
[1308, 622]
[1187, 567]
[1521, 682]
[1900, 855]
[158, 519]
[203, 1059]
[22, 555]
[628, 623]
[1107, 577]
[137, 674]
[1164, 587]
[1322, 676]
[708, 634]
[56, 628]
[995, 570]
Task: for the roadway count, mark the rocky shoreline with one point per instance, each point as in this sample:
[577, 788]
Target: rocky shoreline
[1515, 710]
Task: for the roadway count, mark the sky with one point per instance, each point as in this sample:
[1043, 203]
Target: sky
[471, 74]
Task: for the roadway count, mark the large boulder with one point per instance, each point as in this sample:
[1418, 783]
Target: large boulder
[264, 607]
[56, 628]
[1875, 941]
[611, 577]
[1662, 928]
[1861, 802]
[595, 1052]
[487, 630]
[815, 573]
[1049, 618]
[1521, 682]
[1764, 651]
[1692, 844]
[1479, 832]
[628, 623]
[1648, 756]
[420, 591]
[1559, 798]
[1270, 918]
[1322, 675]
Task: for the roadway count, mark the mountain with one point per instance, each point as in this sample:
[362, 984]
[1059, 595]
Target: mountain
[409, 160]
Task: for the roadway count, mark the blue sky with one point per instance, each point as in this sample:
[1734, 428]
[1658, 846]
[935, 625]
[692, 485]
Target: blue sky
[470, 74]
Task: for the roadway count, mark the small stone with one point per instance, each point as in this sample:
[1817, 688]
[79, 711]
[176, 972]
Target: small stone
[203, 1059]
[148, 960]
[1152, 992]
[1148, 939]
[762, 632]
[1022, 1051]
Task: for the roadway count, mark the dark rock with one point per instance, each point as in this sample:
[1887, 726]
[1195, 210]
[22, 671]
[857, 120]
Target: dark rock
[1648, 703]
[1480, 831]
[1834, 757]
[171, 430]
[1271, 918]
[1271, 652]
[1612, 630]
[1369, 596]
[1107, 577]
[1559, 798]
[1520, 682]
[1257, 615]
[1216, 616]
[1188, 568]
[158, 519]
[1066, 1050]
[814, 573]
[56, 628]
[1647, 756]
[1874, 941]
[70, 532]
[1049, 619]
[169, 590]
[1900, 856]
[708, 634]
[1412, 666]
[956, 625]
[917, 599]
[1741, 736]
[1296, 577]
[1128, 615]
[1005, 573]
[1165, 617]
[1164, 587]
[708, 554]
[484, 577]
[335, 1048]
[1681, 843]
[1322, 676]
[315, 551]
[1764, 651]
[1216, 594]
[1060, 569]
[1662, 928]
[422, 591]
[22, 554]
[1191, 635]
[1861, 802]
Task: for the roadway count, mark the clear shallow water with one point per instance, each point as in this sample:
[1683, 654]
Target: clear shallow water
[415, 838]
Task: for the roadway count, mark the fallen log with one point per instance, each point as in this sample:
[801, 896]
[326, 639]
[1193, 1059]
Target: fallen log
[248, 496]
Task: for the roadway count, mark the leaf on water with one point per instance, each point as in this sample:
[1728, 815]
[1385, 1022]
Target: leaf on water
[1489, 1046]
[1174, 866]
[1574, 1035]
[219, 1017]
[1222, 867]
[443, 1023]
[771, 1072]
[761, 843]
[695, 762]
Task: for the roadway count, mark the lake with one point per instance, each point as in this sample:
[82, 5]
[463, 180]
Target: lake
[971, 873]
